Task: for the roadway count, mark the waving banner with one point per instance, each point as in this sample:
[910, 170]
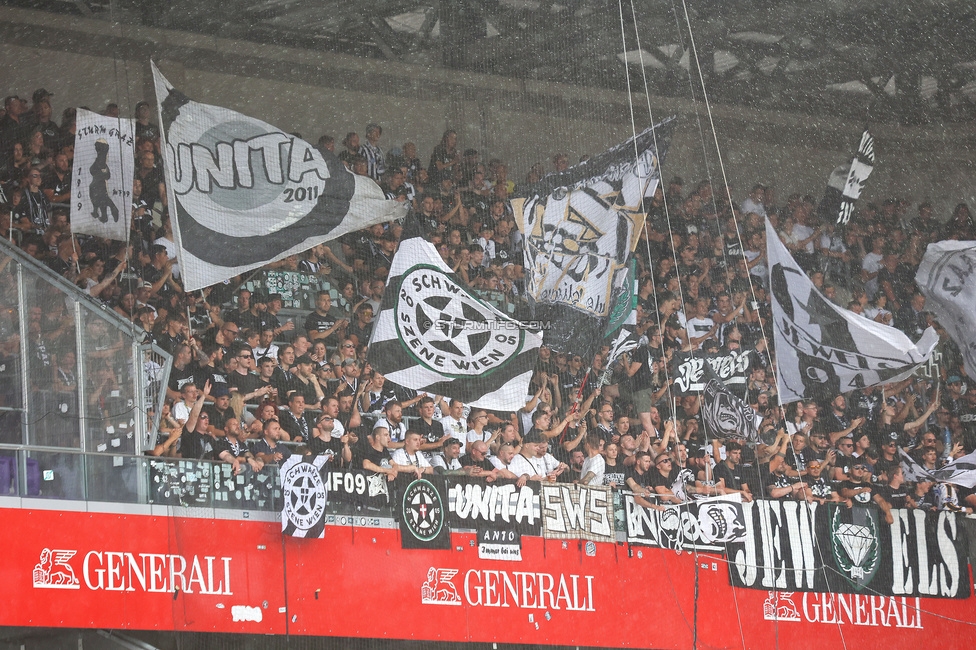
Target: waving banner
[244, 193]
[580, 227]
[690, 374]
[823, 350]
[101, 192]
[433, 334]
[846, 182]
[945, 276]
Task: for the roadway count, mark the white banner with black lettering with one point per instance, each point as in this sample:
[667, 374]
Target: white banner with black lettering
[101, 191]
[577, 512]
[945, 276]
[245, 193]
[823, 350]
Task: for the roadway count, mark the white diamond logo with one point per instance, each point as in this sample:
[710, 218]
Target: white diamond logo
[857, 541]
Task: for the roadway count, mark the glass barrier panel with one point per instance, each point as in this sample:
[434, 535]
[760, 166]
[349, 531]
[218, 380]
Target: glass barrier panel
[52, 378]
[53, 475]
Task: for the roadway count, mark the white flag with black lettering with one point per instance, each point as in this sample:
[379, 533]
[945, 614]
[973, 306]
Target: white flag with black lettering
[244, 193]
[945, 276]
[823, 350]
[101, 182]
[433, 334]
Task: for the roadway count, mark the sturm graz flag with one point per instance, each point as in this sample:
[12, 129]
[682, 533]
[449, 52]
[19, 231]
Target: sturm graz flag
[434, 334]
[823, 350]
[304, 495]
[580, 227]
[244, 193]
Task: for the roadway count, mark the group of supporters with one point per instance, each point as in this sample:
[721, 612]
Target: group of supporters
[250, 386]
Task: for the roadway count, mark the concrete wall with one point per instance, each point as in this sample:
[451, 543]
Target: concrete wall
[93, 62]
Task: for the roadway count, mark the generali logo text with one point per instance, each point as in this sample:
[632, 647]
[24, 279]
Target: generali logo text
[123, 571]
[838, 609]
[527, 590]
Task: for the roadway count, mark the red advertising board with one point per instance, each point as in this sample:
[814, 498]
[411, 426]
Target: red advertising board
[66, 569]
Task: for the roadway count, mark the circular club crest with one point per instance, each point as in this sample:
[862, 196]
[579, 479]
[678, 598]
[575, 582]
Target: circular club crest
[304, 495]
[423, 510]
[448, 330]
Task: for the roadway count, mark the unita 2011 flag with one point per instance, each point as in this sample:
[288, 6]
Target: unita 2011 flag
[101, 192]
[433, 334]
[580, 227]
[946, 277]
[823, 350]
[244, 193]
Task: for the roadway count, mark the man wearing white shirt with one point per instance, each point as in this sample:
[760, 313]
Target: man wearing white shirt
[755, 202]
[409, 458]
[701, 327]
[533, 462]
[594, 466]
[478, 432]
[447, 461]
[454, 423]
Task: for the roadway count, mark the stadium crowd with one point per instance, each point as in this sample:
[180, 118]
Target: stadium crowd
[250, 386]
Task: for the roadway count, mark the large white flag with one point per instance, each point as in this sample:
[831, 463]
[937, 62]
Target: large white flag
[823, 350]
[945, 276]
[101, 192]
[243, 193]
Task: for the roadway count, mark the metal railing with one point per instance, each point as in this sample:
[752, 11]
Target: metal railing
[80, 389]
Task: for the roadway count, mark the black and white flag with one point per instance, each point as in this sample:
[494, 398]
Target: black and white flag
[724, 415]
[244, 193]
[305, 493]
[823, 350]
[961, 472]
[434, 334]
[912, 470]
[101, 191]
[846, 182]
[945, 276]
[580, 227]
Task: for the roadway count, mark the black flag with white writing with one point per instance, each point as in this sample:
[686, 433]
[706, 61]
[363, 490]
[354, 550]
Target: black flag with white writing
[846, 182]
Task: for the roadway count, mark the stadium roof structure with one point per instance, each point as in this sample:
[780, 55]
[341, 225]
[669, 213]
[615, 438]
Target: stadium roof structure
[888, 61]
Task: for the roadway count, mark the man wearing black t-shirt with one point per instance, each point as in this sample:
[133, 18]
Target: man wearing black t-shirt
[639, 478]
[196, 441]
[325, 324]
[662, 478]
[818, 488]
[296, 423]
[431, 430]
[374, 456]
[476, 463]
[231, 449]
[861, 491]
[730, 471]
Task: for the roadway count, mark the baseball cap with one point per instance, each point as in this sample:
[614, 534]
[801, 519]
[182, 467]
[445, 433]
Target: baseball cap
[220, 390]
[40, 95]
[954, 379]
